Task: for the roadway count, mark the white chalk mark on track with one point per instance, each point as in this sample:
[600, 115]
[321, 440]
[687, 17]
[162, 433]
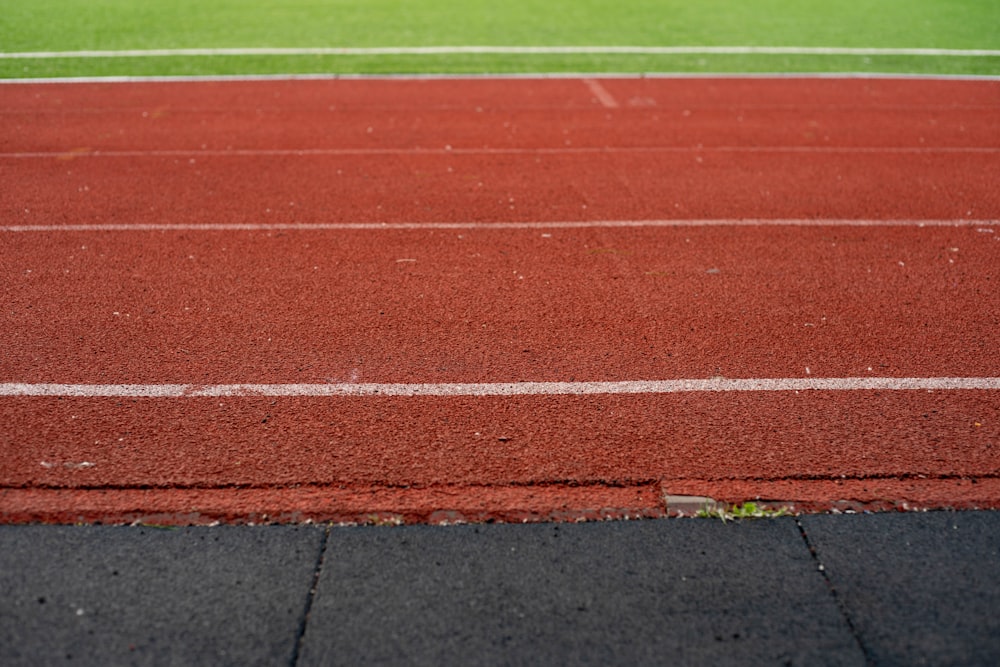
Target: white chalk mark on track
[500, 388]
[505, 50]
[487, 226]
[606, 99]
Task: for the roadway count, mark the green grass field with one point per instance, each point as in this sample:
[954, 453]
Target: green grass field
[73, 25]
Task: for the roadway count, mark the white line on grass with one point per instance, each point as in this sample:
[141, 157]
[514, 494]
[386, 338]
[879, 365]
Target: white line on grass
[445, 76]
[486, 226]
[500, 388]
[504, 50]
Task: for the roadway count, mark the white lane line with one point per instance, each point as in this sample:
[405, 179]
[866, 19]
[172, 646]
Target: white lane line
[487, 226]
[501, 388]
[74, 154]
[473, 76]
[606, 99]
[504, 50]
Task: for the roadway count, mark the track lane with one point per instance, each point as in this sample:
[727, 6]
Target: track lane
[484, 188]
[420, 151]
[470, 441]
[499, 306]
[499, 114]
[652, 126]
[471, 305]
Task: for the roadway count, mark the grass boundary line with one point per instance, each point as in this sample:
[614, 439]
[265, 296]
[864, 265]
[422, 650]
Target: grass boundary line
[503, 50]
[445, 76]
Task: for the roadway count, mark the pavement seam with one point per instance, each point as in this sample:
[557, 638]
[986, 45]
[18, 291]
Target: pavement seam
[317, 571]
[869, 660]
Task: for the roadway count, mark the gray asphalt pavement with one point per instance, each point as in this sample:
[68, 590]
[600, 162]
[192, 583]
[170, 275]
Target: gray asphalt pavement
[878, 589]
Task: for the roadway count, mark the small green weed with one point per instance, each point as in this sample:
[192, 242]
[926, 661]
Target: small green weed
[385, 520]
[747, 510]
[155, 526]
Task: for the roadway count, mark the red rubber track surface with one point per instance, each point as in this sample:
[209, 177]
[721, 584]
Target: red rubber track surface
[674, 149]
[463, 305]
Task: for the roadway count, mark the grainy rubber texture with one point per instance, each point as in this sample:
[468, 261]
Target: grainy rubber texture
[492, 150]
[496, 305]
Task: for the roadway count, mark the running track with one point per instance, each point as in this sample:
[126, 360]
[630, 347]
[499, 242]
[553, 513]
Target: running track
[382, 266]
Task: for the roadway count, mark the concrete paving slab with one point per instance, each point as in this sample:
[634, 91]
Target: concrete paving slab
[101, 595]
[920, 589]
[685, 592]
[895, 589]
